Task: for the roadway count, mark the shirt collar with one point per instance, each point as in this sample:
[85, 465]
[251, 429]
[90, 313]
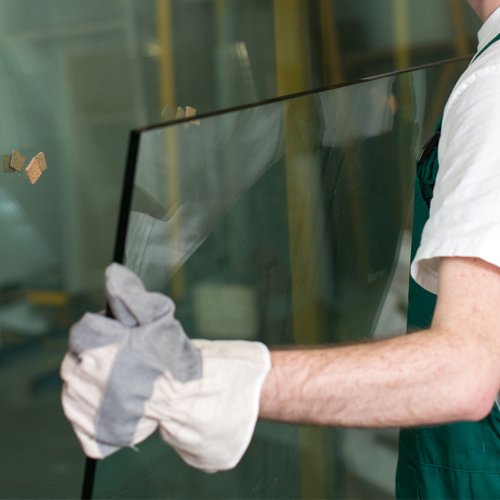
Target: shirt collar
[490, 29]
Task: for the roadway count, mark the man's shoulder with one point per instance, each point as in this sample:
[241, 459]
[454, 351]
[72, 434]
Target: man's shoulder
[480, 76]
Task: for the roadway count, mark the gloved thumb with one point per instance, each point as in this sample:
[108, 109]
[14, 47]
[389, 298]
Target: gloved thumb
[130, 302]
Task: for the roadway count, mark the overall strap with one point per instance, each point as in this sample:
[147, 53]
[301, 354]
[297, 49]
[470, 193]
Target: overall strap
[434, 141]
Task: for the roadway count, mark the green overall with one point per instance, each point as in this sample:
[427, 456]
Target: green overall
[455, 461]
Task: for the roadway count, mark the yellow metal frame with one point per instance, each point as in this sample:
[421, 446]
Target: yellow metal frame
[332, 64]
[293, 75]
[459, 20]
[168, 97]
[166, 66]
[401, 17]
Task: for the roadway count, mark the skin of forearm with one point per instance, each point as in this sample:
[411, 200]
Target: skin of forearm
[425, 378]
[448, 373]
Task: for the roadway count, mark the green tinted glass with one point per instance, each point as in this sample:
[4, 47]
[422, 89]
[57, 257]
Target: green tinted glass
[281, 223]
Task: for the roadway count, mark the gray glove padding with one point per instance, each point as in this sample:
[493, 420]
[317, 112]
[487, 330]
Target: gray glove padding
[123, 377]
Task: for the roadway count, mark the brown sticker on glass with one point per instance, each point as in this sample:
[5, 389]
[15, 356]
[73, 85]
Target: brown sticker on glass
[34, 170]
[6, 164]
[42, 164]
[17, 161]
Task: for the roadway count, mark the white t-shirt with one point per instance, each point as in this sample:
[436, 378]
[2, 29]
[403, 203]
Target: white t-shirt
[465, 210]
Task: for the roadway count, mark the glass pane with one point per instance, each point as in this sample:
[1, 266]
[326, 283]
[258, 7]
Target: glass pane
[285, 223]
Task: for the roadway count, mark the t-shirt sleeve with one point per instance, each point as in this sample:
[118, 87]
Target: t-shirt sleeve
[465, 210]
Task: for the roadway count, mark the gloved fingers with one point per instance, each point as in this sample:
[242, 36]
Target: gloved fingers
[94, 331]
[84, 384]
[85, 380]
[91, 447]
[88, 401]
[145, 428]
[129, 301]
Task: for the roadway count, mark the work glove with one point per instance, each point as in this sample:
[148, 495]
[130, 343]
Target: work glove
[125, 377]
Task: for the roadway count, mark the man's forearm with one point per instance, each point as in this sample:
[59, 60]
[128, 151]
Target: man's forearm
[428, 377]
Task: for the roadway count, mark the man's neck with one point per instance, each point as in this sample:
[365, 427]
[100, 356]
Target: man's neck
[484, 8]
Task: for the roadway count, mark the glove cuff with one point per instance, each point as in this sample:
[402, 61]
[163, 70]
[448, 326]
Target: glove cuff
[223, 413]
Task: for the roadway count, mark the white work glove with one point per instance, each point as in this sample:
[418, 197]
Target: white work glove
[124, 377]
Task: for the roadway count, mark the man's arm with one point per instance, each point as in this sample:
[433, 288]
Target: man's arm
[450, 372]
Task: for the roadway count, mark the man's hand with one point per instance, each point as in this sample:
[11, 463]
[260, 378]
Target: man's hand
[125, 377]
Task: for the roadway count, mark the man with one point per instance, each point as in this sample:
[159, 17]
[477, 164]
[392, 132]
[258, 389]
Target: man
[125, 377]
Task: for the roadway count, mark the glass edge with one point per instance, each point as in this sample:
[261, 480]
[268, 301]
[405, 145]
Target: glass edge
[126, 200]
[305, 93]
[119, 252]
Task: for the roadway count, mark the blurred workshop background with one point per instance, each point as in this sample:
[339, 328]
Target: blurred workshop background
[75, 78]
